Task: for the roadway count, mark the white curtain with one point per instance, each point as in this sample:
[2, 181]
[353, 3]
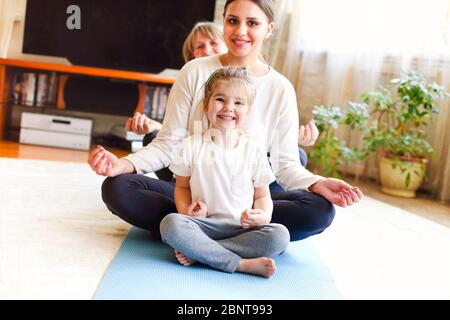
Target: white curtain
[332, 51]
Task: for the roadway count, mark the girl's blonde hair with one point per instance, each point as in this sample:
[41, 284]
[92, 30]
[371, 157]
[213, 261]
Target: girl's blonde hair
[238, 75]
[209, 30]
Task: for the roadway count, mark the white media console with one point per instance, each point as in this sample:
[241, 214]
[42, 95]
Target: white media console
[55, 131]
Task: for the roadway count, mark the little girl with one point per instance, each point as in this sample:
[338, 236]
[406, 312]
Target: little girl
[222, 188]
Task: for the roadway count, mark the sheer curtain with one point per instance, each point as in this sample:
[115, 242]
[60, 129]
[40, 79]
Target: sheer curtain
[332, 51]
[9, 10]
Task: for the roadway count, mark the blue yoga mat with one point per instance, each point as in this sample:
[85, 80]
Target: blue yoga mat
[147, 269]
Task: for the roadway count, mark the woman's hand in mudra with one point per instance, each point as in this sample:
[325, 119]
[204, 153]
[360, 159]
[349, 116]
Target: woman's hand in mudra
[141, 124]
[308, 134]
[105, 163]
[337, 191]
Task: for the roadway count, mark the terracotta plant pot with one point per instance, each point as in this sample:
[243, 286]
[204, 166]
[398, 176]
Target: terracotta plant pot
[393, 180]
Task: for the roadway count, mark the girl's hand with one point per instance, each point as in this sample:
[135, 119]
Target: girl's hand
[141, 124]
[308, 134]
[105, 163]
[197, 209]
[252, 218]
[337, 191]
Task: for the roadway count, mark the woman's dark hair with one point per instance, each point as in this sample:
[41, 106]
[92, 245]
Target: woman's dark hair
[265, 5]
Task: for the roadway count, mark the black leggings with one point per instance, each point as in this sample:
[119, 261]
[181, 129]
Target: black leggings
[143, 202]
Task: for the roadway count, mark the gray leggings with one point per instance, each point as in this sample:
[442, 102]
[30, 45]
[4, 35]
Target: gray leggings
[222, 244]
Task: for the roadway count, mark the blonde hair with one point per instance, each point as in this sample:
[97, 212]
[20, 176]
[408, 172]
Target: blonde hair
[232, 74]
[209, 30]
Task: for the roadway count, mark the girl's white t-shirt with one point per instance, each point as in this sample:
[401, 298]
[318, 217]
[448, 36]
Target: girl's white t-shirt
[223, 178]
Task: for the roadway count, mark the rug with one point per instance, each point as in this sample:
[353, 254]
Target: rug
[378, 251]
[56, 236]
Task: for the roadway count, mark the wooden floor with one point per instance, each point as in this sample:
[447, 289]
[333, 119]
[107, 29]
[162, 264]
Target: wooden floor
[10, 149]
[423, 205]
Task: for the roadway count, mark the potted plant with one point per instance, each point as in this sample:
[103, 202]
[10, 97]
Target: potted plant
[329, 152]
[400, 114]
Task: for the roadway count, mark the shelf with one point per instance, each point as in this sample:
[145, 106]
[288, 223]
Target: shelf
[143, 82]
[98, 72]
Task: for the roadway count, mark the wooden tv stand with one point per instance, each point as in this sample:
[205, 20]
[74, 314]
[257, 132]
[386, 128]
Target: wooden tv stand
[8, 67]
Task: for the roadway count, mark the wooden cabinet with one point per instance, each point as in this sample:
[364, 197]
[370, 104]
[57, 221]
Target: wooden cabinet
[9, 69]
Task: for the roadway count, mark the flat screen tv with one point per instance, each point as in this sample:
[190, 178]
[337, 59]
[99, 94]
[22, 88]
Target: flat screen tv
[138, 35]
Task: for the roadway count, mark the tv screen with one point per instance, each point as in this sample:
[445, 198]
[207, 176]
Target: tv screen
[138, 35]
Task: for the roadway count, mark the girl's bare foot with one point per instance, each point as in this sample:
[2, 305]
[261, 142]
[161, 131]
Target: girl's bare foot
[260, 266]
[185, 261]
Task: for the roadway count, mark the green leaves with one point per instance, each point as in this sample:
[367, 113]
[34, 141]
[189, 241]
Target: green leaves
[356, 115]
[327, 116]
[392, 119]
[402, 111]
[330, 152]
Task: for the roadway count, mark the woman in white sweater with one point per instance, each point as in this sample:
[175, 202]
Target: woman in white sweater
[206, 39]
[306, 205]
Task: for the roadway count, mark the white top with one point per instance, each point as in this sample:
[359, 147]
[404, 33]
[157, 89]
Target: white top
[273, 120]
[223, 178]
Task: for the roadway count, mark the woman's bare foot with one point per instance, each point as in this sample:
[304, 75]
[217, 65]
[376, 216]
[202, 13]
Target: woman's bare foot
[260, 266]
[185, 261]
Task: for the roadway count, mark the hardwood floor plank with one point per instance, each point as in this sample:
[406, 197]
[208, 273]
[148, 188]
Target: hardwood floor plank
[11, 149]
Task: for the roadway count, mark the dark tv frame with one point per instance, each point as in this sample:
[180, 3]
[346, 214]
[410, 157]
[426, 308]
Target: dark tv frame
[115, 34]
